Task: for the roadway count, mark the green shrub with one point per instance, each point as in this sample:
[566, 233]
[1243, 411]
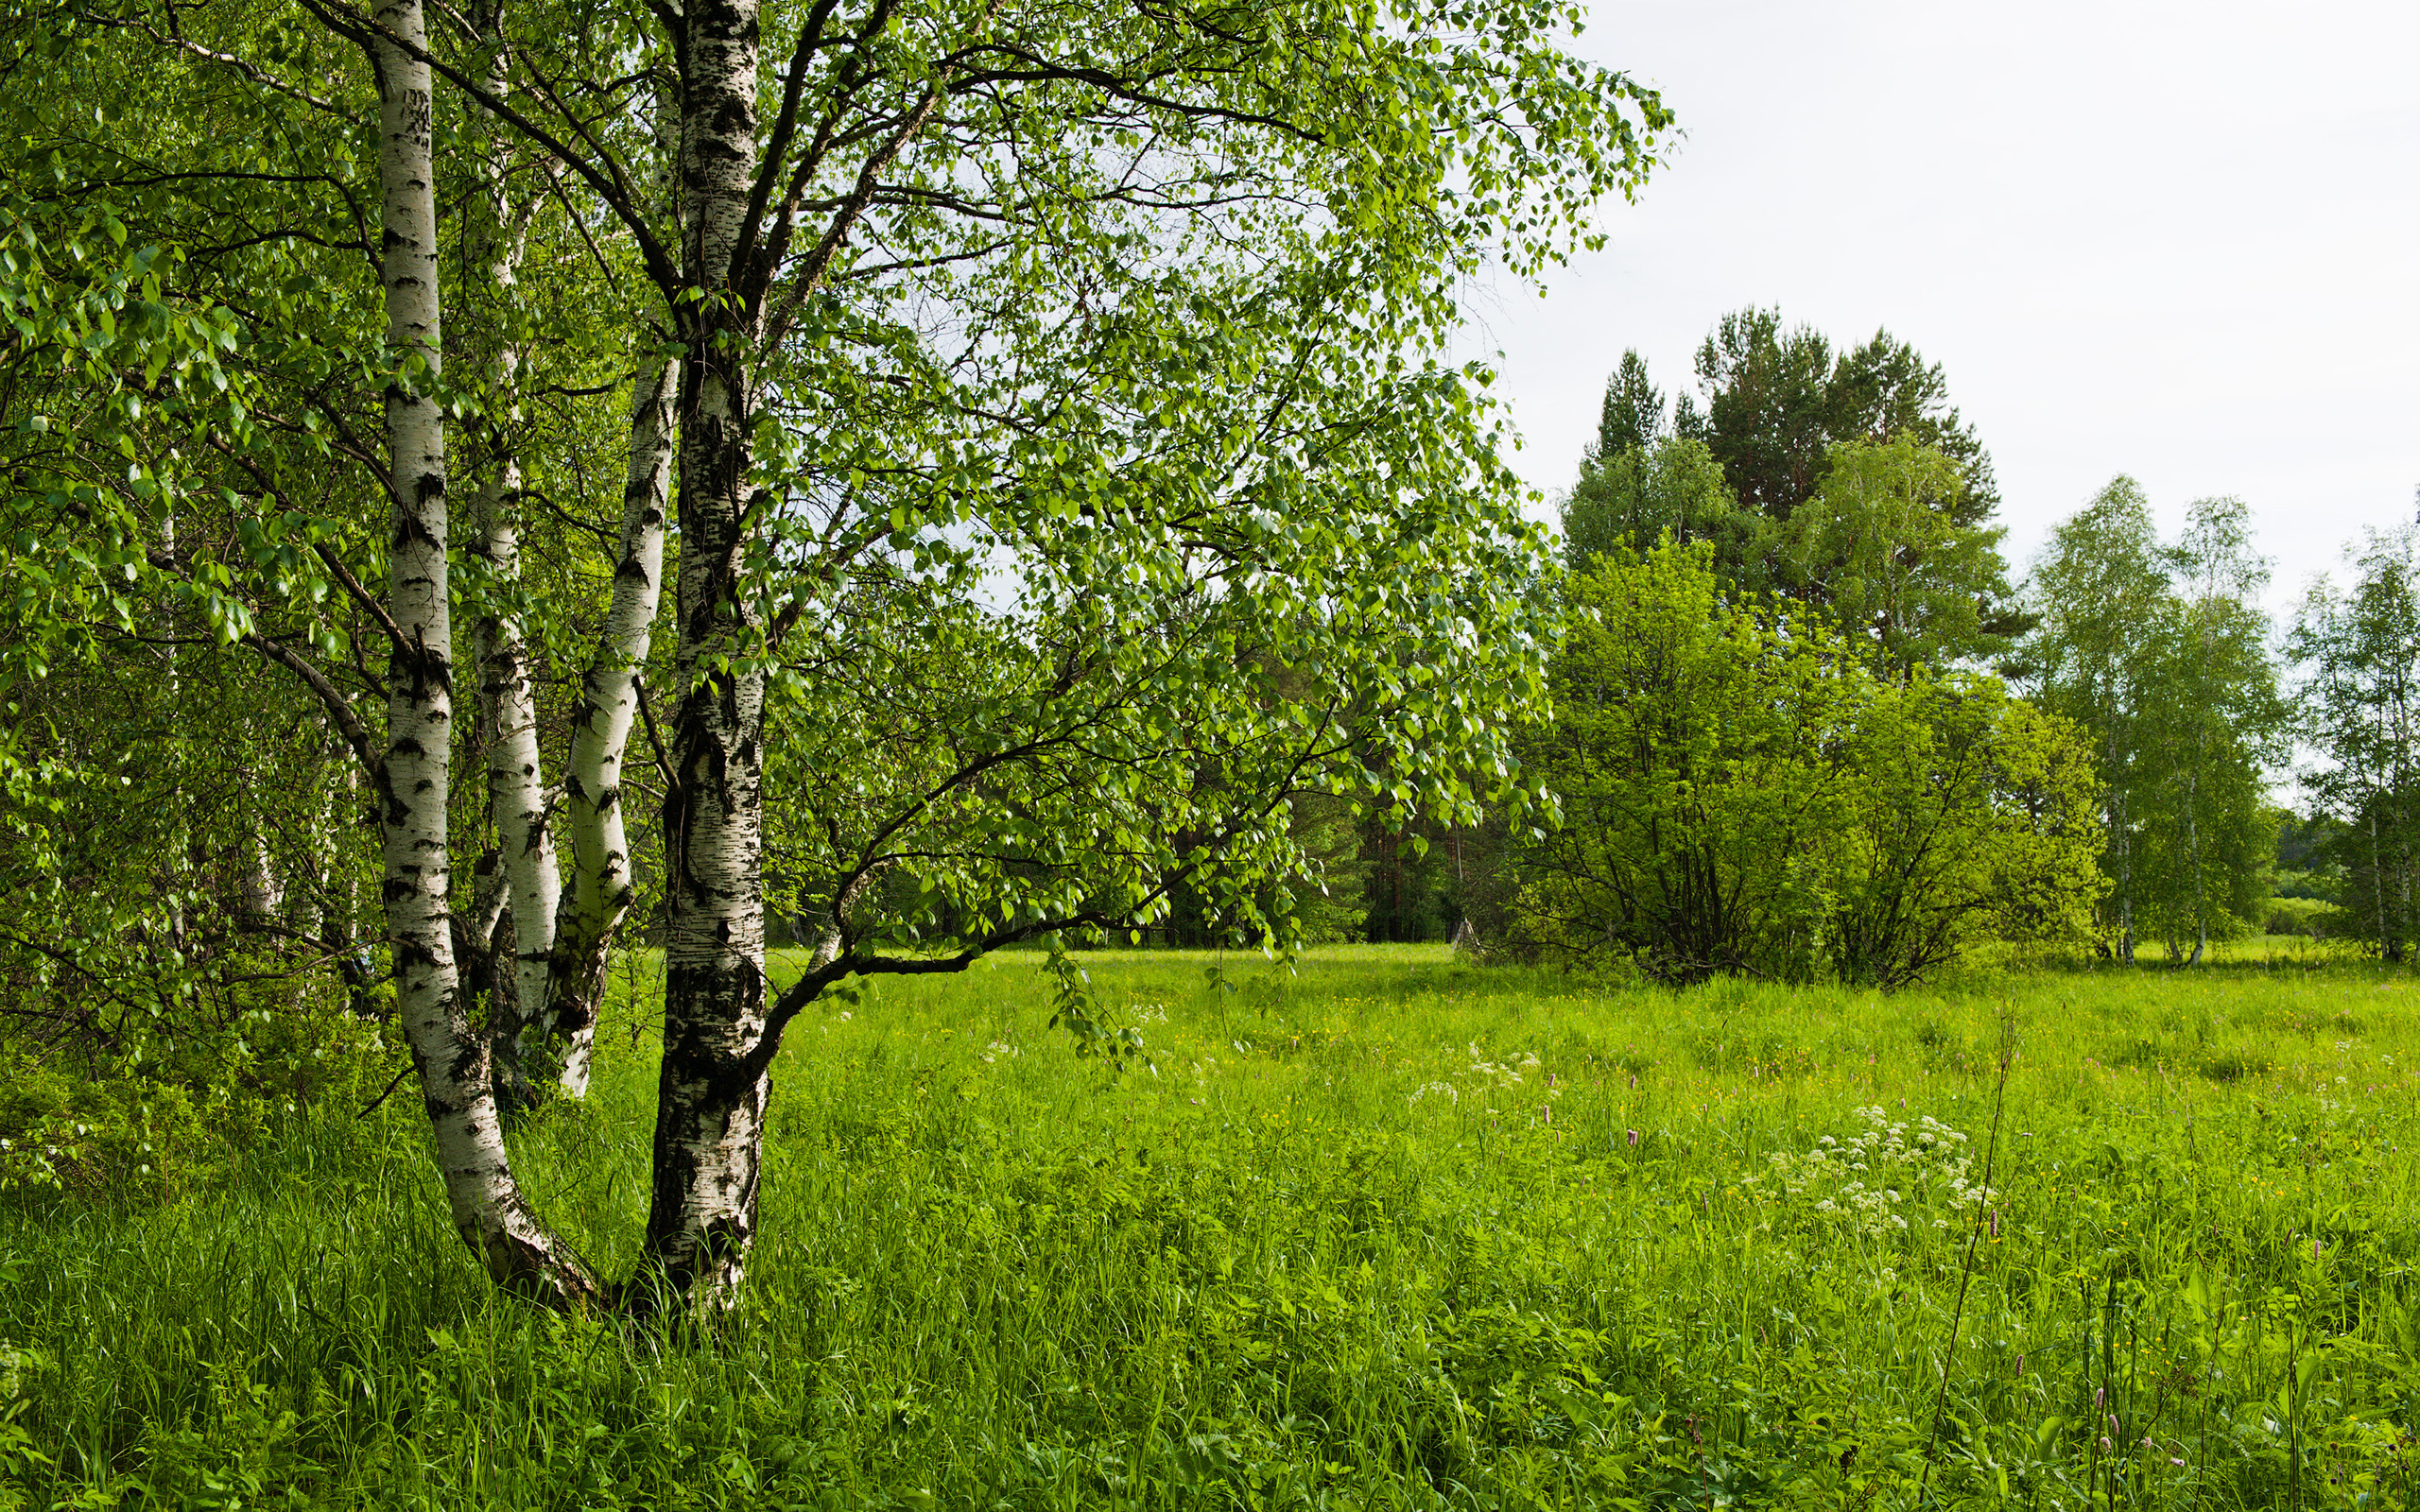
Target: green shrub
[2297, 915]
[1741, 795]
[166, 1110]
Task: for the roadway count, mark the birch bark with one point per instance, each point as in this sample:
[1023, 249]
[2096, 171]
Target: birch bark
[602, 887]
[516, 781]
[710, 1103]
[414, 772]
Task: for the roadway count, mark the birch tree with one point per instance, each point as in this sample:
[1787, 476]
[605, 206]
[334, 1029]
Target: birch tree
[2161, 653]
[2100, 581]
[413, 771]
[1069, 480]
[2215, 722]
[1095, 295]
[2360, 655]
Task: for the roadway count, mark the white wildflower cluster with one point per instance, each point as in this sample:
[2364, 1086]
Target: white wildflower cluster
[16, 1365]
[1149, 1012]
[1877, 1181]
[1481, 1076]
[1485, 1070]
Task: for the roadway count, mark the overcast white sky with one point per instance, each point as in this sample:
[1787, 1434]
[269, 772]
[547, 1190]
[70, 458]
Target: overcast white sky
[2176, 240]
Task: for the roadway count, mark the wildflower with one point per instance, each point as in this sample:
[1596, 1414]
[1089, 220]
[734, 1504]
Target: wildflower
[1633, 1137]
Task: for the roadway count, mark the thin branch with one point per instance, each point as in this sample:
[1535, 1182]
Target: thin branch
[646, 717]
[251, 72]
[375, 1102]
[777, 145]
[340, 711]
[613, 188]
[335, 564]
[820, 261]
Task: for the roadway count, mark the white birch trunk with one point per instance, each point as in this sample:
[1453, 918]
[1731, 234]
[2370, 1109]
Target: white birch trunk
[710, 1103]
[259, 893]
[516, 785]
[516, 781]
[487, 1206]
[602, 887]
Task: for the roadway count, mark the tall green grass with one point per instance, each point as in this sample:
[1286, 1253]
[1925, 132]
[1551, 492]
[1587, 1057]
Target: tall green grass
[1388, 1230]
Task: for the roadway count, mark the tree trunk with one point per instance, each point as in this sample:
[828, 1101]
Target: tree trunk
[486, 1205]
[516, 792]
[2125, 887]
[516, 781]
[602, 887]
[710, 1102]
[2193, 857]
[259, 893]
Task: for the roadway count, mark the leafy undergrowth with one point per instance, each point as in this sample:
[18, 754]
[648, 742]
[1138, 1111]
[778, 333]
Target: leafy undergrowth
[1389, 1232]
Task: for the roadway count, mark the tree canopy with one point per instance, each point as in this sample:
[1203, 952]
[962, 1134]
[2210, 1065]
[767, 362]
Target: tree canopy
[1038, 412]
[1844, 480]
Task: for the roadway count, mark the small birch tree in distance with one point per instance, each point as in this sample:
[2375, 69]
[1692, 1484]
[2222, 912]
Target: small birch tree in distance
[2359, 652]
[2161, 654]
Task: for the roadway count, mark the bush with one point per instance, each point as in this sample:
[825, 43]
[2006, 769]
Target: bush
[2297, 915]
[160, 1109]
[1741, 795]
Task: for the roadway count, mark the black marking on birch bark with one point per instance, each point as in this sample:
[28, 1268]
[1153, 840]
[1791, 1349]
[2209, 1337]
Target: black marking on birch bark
[410, 531]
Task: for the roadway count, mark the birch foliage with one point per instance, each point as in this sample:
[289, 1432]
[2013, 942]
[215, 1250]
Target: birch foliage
[2359, 652]
[2161, 654]
[1069, 474]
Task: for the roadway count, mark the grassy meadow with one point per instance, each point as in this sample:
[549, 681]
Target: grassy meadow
[1384, 1231]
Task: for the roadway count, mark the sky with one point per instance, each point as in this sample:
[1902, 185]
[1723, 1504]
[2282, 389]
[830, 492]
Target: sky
[2176, 241]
